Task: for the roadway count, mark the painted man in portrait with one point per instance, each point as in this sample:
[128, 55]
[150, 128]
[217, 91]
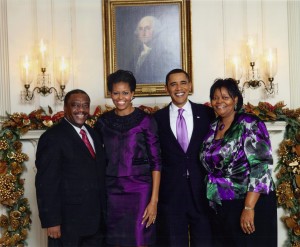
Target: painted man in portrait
[150, 59]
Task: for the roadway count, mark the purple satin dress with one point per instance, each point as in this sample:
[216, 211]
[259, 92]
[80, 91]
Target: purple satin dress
[133, 152]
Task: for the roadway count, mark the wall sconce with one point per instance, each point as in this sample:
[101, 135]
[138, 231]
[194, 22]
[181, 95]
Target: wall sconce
[43, 84]
[253, 80]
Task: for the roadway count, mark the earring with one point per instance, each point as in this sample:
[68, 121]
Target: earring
[235, 107]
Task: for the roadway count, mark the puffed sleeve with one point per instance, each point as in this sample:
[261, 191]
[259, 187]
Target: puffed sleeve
[152, 142]
[257, 147]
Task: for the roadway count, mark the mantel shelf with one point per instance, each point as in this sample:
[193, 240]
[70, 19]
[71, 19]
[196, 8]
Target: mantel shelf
[271, 126]
[276, 126]
[32, 134]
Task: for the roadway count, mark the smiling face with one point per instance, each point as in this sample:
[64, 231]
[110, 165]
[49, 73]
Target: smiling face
[121, 96]
[77, 109]
[223, 103]
[178, 87]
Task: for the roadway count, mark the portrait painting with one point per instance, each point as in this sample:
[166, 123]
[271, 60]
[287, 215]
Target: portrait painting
[148, 38]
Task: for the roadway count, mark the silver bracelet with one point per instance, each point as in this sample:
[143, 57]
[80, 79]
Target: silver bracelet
[248, 208]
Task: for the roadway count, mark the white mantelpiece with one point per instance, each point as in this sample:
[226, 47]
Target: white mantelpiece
[276, 126]
[37, 236]
[32, 135]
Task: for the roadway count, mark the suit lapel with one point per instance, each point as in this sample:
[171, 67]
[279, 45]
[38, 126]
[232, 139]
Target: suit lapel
[196, 124]
[168, 125]
[97, 143]
[75, 139]
[169, 133]
[94, 141]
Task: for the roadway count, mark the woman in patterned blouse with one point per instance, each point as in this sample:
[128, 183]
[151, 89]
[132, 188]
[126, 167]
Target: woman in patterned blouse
[237, 155]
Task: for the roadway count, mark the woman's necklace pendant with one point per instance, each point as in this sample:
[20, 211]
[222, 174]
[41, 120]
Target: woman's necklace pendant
[222, 126]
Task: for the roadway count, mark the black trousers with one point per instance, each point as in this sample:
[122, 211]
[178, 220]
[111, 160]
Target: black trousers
[226, 224]
[186, 226]
[95, 240]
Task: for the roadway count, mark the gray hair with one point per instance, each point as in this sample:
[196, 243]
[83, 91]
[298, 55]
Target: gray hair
[156, 24]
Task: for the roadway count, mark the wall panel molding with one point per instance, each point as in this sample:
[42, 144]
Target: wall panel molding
[4, 62]
[294, 51]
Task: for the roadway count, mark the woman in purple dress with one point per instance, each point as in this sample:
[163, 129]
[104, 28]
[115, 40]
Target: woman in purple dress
[133, 166]
[237, 155]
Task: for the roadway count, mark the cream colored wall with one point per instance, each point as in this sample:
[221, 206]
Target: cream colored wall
[74, 28]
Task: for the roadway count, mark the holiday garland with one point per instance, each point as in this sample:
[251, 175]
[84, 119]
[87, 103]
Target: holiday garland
[16, 223]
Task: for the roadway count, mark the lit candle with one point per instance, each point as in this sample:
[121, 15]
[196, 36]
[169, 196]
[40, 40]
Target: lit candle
[62, 67]
[26, 70]
[26, 67]
[43, 50]
[271, 62]
[251, 44]
[236, 68]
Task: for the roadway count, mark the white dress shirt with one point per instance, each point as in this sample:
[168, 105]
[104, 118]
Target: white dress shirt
[87, 133]
[188, 116]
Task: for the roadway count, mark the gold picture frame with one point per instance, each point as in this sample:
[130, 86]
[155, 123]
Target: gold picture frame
[161, 29]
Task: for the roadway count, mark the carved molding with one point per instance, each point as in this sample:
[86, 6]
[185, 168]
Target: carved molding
[294, 50]
[4, 61]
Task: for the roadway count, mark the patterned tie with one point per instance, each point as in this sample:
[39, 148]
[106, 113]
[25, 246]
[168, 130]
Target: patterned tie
[181, 131]
[87, 143]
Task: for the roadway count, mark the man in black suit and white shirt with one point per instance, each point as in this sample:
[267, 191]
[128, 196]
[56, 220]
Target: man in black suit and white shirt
[70, 178]
[182, 208]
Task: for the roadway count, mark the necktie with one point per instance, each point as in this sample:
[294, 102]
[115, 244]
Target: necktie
[87, 142]
[181, 131]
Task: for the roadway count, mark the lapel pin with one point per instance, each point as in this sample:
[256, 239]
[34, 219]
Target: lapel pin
[198, 116]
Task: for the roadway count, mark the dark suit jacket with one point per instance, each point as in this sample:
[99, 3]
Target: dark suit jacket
[69, 182]
[175, 162]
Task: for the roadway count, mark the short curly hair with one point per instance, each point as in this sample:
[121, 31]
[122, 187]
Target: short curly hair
[232, 87]
[121, 76]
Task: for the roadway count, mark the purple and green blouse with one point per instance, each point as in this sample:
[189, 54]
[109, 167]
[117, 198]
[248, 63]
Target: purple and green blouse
[239, 162]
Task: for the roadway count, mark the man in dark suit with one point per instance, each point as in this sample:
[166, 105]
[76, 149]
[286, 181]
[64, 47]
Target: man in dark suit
[69, 182]
[182, 208]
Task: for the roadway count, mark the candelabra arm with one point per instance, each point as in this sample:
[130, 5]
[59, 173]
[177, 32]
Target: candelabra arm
[60, 96]
[43, 89]
[29, 95]
[270, 88]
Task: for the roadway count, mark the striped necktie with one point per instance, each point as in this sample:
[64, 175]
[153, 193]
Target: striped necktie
[181, 131]
[87, 142]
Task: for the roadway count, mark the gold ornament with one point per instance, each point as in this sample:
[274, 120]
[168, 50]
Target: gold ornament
[9, 134]
[3, 221]
[17, 145]
[4, 145]
[15, 214]
[296, 230]
[3, 167]
[15, 224]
